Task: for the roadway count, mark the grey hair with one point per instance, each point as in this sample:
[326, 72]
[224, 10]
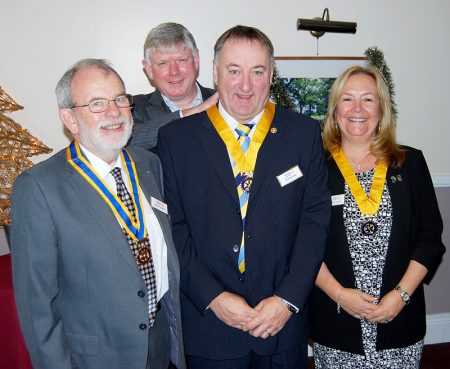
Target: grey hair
[244, 33]
[167, 35]
[63, 89]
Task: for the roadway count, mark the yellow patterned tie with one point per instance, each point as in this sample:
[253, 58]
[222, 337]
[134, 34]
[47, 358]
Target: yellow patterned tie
[243, 183]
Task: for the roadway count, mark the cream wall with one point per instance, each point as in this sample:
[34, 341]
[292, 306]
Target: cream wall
[40, 39]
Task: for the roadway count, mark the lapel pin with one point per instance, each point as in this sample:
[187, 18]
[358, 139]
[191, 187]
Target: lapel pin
[396, 178]
[273, 130]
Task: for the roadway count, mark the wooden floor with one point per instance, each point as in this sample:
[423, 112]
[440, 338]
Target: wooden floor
[433, 357]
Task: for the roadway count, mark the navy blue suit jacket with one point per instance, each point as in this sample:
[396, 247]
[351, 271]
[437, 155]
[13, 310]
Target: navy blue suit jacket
[286, 228]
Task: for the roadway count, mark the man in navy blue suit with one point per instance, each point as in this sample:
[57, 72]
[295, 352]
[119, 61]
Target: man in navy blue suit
[246, 187]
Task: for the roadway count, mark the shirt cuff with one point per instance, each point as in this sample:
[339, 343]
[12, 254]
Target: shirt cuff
[292, 308]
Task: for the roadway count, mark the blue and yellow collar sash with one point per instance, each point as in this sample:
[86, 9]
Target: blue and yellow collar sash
[136, 229]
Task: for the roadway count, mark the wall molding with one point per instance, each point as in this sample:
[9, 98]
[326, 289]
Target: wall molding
[441, 181]
[438, 328]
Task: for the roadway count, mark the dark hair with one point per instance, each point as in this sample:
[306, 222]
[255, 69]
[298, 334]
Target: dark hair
[244, 33]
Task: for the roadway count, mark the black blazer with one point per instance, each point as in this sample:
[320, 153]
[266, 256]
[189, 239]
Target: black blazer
[286, 228]
[150, 113]
[415, 235]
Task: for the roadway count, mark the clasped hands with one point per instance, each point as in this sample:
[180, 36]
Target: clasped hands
[363, 306]
[264, 320]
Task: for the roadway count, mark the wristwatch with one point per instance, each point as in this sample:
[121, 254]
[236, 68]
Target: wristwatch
[403, 294]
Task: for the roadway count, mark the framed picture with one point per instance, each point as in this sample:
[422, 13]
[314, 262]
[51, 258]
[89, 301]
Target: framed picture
[308, 79]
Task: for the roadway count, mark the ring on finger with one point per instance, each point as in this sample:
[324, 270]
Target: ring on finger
[386, 320]
[268, 333]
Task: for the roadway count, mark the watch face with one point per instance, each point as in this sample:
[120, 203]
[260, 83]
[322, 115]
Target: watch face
[403, 294]
[405, 297]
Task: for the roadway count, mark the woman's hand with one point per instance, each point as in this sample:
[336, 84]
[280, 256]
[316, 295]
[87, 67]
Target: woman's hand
[388, 308]
[358, 304]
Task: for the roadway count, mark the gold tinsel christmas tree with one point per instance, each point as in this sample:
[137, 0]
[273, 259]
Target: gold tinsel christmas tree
[16, 145]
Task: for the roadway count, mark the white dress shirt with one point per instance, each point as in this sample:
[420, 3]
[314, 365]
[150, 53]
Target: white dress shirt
[155, 234]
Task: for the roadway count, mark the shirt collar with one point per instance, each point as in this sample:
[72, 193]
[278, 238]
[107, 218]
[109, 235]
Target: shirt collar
[173, 107]
[99, 165]
[233, 123]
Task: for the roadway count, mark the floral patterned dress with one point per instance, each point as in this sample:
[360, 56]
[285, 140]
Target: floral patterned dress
[368, 255]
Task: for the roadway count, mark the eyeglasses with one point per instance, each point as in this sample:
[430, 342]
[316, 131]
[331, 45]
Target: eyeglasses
[101, 105]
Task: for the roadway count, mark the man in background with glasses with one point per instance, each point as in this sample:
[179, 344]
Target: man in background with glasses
[171, 62]
[95, 270]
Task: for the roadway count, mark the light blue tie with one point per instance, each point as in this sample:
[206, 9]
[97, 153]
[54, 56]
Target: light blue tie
[242, 179]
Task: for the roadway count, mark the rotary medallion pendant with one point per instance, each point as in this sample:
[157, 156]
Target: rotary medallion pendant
[143, 252]
[369, 227]
[246, 181]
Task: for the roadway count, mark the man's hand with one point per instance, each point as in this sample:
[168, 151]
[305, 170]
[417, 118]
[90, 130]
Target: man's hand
[232, 309]
[201, 107]
[272, 316]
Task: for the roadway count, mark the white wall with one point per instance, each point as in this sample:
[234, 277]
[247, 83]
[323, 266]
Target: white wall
[41, 39]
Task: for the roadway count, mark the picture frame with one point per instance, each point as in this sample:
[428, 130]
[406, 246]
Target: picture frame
[308, 79]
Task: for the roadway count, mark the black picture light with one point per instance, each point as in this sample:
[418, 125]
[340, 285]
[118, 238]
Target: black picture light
[319, 26]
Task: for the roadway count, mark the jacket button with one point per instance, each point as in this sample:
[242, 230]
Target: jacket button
[141, 293]
[238, 210]
[235, 248]
[142, 326]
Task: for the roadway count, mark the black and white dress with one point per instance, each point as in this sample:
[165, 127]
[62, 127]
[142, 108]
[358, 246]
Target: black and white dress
[368, 255]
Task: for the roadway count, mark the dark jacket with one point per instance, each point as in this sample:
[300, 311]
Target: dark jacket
[150, 113]
[415, 235]
[285, 228]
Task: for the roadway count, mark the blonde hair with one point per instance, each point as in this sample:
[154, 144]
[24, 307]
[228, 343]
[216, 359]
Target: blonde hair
[384, 146]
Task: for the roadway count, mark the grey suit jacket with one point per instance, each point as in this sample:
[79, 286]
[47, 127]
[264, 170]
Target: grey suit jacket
[76, 281]
[150, 113]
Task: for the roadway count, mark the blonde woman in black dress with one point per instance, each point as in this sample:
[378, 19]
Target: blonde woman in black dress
[368, 308]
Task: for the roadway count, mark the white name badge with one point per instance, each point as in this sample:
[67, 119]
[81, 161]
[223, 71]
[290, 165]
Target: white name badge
[290, 176]
[159, 205]
[337, 200]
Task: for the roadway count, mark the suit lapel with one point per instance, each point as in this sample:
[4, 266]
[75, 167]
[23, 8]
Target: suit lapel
[150, 189]
[101, 213]
[265, 160]
[217, 153]
[156, 100]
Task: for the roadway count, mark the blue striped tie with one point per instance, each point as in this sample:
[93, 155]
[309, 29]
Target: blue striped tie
[243, 131]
